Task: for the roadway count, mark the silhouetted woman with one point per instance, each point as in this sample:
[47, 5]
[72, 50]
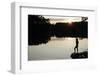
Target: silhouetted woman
[76, 47]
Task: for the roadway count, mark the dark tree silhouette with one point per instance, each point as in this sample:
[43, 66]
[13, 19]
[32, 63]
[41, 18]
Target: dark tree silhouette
[77, 29]
[38, 30]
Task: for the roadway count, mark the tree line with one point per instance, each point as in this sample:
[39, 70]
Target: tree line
[40, 30]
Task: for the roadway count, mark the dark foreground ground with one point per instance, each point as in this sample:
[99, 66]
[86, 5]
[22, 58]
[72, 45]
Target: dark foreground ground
[79, 55]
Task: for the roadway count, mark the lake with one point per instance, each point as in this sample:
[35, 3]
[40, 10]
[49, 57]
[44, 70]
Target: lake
[56, 48]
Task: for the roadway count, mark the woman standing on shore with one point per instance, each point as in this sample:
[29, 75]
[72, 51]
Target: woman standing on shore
[76, 47]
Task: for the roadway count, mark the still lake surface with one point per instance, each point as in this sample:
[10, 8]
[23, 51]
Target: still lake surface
[56, 48]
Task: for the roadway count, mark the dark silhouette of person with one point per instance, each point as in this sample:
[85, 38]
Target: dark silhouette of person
[76, 47]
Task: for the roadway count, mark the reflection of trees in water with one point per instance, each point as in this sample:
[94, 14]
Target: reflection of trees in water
[40, 30]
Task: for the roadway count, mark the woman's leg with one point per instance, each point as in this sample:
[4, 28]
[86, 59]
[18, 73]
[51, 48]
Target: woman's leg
[75, 49]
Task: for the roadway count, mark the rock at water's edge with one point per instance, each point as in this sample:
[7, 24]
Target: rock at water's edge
[79, 55]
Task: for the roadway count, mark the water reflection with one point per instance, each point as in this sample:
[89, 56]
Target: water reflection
[56, 48]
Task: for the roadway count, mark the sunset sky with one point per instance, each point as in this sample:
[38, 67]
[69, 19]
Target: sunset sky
[55, 19]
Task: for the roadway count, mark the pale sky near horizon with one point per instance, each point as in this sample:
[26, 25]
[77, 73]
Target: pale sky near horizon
[55, 19]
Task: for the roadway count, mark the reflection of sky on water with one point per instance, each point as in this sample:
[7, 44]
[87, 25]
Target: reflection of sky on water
[56, 49]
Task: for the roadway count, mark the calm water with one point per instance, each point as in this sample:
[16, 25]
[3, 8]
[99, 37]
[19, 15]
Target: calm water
[57, 48]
